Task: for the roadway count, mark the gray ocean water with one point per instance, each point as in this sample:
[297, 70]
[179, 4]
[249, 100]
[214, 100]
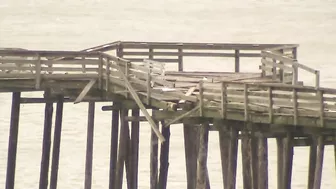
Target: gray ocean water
[78, 24]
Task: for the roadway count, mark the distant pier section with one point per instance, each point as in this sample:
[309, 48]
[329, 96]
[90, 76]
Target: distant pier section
[247, 106]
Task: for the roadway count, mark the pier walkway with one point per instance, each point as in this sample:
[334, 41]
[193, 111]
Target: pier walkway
[134, 75]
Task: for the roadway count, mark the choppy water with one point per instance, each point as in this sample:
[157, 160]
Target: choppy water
[78, 24]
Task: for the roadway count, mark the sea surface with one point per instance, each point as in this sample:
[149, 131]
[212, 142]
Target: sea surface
[79, 24]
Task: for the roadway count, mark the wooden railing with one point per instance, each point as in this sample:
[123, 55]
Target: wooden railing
[133, 78]
[271, 100]
[278, 63]
[170, 52]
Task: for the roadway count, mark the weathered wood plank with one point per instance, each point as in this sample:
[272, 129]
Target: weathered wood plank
[153, 159]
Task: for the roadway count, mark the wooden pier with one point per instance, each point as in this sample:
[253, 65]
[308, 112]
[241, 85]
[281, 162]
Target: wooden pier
[251, 107]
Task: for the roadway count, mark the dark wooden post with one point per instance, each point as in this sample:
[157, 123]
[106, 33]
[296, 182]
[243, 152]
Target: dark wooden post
[89, 146]
[191, 141]
[312, 163]
[114, 147]
[48, 112]
[13, 139]
[254, 160]
[319, 162]
[288, 161]
[164, 157]
[180, 60]
[56, 143]
[246, 159]
[237, 61]
[135, 149]
[224, 143]
[280, 159]
[122, 149]
[153, 159]
[202, 156]
[263, 163]
[233, 150]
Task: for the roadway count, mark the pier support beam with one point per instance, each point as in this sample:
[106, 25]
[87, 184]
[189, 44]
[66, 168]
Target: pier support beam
[89, 146]
[246, 159]
[319, 162]
[233, 150]
[263, 163]
[48, 112]
[191, 143]
[56, 143]
[312, 164]
[224, 143]
[280, 159]
[154, 158]
[134, 154]
[288, 161]
[122, 149]
[114, 147]
[202, 156]
[254, 159]
[12, 141]
[164, 157]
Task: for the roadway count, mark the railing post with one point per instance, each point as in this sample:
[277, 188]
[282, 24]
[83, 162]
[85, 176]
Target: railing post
[108, 71]
[270, 105]
[201, 98]
[295, 73]
[294, 53]
[180, 59]
[321, 108]
[317, 79]
[246, 113]
[223, 100]
[237, 61]
[281, 72]
[149, 79]
[100, 72]
[38, 72]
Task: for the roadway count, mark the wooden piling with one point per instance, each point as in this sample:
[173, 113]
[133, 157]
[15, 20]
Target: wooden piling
[254, 158]
[164, 157]
[113, 147]
[202, 156]
[263, 163]
[319, 162]
[312, 163]
[13, 139]
[191, 150]
[56, 143]
[153, 159]
[246, 159]
[280, 159]
[134, 150]
[233, 149]
[224, 143]
[122, 149]
[89, 146]
[46, 141]
[288, 161]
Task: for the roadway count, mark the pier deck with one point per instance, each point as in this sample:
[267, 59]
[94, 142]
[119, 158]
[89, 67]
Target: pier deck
[271, 103]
